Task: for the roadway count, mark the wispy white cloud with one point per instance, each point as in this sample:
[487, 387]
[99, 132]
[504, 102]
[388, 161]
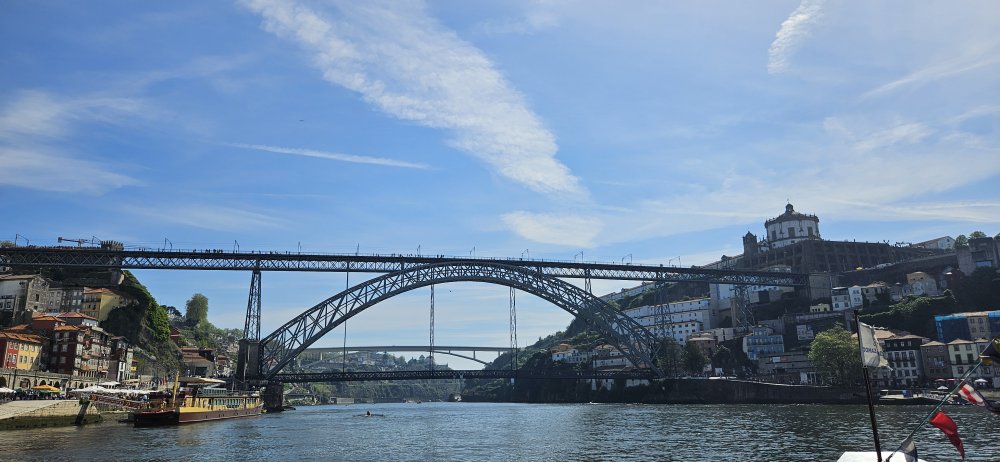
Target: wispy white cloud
[34, 128]
[873, 168]
[212, 217]
[332, 156]
[555, 228]
[791, 34]
[858, 133]
[46, 169]
[978, 58]
[538, 15]
[409, 66]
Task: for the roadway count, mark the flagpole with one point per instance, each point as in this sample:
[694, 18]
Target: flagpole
[868, 390]
[940, 404]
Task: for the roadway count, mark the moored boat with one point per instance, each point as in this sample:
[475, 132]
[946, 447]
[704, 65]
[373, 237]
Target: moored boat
[201, 401]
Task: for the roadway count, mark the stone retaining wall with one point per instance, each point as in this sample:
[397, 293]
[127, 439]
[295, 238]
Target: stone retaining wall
[63, 412]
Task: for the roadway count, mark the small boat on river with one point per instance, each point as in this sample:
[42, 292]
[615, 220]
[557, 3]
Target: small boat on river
[200, 401]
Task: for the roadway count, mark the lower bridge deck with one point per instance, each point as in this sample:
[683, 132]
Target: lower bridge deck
[458, 374]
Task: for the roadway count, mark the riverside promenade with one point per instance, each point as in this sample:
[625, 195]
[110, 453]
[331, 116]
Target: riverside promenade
[46, 413]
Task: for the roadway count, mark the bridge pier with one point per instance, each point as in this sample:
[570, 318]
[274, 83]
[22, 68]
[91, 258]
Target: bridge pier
[248, 363]
[274, 397]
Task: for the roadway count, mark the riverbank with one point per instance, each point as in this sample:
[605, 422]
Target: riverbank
[676, 391]
[17, 415]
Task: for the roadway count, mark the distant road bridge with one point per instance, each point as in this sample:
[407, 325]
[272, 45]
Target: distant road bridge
[472, 374]
[317, 354]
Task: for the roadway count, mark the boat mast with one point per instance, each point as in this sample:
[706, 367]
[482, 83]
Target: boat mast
[868, 390]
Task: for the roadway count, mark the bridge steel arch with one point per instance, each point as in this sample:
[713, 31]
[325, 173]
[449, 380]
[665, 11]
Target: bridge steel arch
[284, 344]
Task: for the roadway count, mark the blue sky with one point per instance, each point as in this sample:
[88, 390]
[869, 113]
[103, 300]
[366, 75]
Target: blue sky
[644, 131]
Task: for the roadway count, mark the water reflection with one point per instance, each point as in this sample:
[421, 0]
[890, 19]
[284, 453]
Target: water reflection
[516, 432]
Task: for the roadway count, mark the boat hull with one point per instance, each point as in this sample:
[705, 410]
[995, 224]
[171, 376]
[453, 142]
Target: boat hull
[175, 417]
[204, 416]
[156, 418]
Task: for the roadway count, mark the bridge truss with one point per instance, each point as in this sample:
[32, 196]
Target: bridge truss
[401, 273]
[36, 257]
[284, 344]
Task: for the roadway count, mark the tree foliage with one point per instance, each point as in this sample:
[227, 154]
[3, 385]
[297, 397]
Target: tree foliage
[670, 357]
[979, 290]
[834, 353]
[196, 310]
[144, 323]
[977, 235]
[724, 359]
[694, 358]
[961, 241]
[914, 314]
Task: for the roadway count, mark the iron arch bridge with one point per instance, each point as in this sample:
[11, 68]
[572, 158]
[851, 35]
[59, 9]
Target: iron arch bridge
[283, 345]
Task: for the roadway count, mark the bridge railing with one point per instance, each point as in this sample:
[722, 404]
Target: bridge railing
[85, 257]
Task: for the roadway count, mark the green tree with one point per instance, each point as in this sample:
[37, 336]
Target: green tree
[694, 358]
[4, 243]
[723, 359]
[834, 353]
[961, 241]
[977, 235]
[978, 290]
[669, 357]
[197, 310]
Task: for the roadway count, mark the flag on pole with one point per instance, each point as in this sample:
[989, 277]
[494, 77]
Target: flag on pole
[948, 427]
[992, 353]
[909, 450]
[871, 352]
[970, 394]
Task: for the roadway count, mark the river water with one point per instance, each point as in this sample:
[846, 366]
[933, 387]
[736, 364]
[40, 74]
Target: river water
[515, 432]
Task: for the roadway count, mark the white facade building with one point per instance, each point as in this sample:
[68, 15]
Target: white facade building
[791, 227]
[676, 320]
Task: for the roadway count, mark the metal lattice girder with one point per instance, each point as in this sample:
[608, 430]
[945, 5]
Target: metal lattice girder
[34, 257]
[251, 330]
[449, 374]
[284, 344]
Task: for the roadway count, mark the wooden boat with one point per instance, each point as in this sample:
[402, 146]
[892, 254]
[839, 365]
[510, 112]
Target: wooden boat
[202, 401]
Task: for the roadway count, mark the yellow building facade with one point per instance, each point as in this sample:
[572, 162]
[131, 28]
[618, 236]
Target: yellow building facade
[20, 351]
[97, 303]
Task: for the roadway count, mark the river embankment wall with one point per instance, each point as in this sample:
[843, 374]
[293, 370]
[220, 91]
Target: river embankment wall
[673, 391]
[46, 413]
[713, 391]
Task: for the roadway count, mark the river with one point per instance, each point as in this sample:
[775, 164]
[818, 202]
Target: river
[515, 432]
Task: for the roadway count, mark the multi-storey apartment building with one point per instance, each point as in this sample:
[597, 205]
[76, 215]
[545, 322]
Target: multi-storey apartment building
[937, 365]
[905, 360]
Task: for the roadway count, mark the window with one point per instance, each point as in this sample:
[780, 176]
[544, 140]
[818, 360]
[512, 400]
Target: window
[791, 232]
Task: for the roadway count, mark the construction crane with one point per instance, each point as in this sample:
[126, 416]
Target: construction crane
[79, 242]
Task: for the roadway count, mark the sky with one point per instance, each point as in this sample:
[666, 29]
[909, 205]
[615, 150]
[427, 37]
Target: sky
[652, 132]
